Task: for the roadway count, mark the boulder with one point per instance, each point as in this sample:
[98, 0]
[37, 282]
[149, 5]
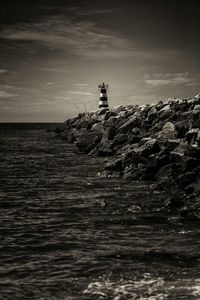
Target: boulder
[198, 138]
[120, 139]
[134, 139]
[168, 132]
[102, 111]
[60, 128]
[105, 150]
[69, 137]
[107, 135]
[150, 147]
[197, 107]
[131, 173]
[97, 127]
[171, 144]
[152, 114]
[186, 178]
[113, 122]
[182, 148]
[114, 165]
[182, 128]
[191, 135]
[109, 113]
[129, 125]
[191, 208]
[190, 163]
[165, 112]
[87, 141]
[195, 118]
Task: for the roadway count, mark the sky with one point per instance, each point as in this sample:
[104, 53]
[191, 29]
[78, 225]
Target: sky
[54, 54]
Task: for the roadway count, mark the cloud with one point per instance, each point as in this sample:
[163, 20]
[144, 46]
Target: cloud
[160, 79]
[76, 38]
[4, 94]
[17, 88]
[92, 12]
[53, 70]
[61, 98]
[81, 84]
[81, 93]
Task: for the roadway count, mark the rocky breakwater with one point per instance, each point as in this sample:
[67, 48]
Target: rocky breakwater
[157, 142]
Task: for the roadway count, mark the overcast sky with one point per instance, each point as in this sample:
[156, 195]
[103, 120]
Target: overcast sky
[53, 55]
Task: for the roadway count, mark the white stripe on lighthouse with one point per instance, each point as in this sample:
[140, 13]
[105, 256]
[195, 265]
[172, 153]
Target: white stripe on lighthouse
[103, 102]
[103, 95]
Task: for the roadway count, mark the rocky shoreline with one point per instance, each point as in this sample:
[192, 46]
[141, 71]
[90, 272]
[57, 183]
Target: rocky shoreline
[157, 142]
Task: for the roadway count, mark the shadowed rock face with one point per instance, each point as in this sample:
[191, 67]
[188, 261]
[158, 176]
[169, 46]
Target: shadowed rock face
[158, 142]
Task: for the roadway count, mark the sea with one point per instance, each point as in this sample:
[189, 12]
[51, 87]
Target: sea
[68, 233]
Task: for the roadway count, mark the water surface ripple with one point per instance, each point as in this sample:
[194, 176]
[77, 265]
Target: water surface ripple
[69, 234]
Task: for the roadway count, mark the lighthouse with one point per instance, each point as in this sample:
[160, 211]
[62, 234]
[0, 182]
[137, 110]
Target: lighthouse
[103, 99]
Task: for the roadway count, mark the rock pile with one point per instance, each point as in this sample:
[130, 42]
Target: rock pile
[155, 142]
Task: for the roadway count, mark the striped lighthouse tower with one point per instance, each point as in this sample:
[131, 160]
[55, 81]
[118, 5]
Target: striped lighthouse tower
[103, 100]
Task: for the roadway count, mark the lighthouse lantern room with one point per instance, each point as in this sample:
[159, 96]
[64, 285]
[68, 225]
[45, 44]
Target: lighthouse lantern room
[103, 99]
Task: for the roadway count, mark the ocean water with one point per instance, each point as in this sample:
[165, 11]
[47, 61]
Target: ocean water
[66, 233]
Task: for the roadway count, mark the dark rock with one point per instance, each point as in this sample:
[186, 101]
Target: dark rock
[113, 122]
[165, 172]
[60, 128]
[132, 173]
[136, 131]
[191, 163]
[193, 151]
[108, 134]
[114, 165]
[186, 178]
[196, 119]
[182, 148]
[176, 157]
[97, 127]
[198, 138]
[102, 111]
[119, 140]
[133, 157]
[167, 184]
[105, 150]
[182, 127]
[167, 132]
[87, 141]
[134, 139]
[69, 137]
[191, 135]
[191, 208]
[109, 114]
[165, 112]
[152, 114]
[150, 147]
[171, 144]
[129, 125]
[154, 164]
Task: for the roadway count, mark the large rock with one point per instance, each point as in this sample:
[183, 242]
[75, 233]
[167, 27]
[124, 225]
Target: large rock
[108, 134]
[120, 139]
[114, 165]
[129, 125]
[87, 141]
[191, 208]
[191, 135]
[182, 127]
[168, 132]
